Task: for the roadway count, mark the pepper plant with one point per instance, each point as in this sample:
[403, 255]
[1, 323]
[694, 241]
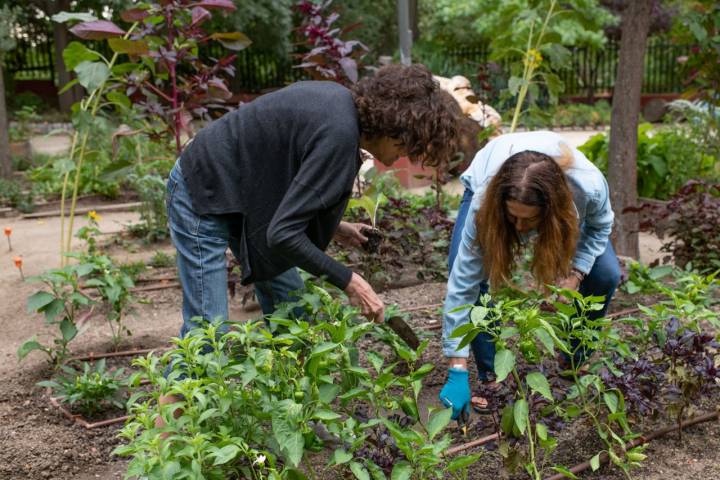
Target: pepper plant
[89, 390]
[259, 398]
[61, 302]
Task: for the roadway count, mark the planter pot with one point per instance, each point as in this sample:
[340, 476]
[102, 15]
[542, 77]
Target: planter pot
[408, 174]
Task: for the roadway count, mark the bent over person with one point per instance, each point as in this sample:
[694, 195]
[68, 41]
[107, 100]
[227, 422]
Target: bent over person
[271, 181]
[520, 188]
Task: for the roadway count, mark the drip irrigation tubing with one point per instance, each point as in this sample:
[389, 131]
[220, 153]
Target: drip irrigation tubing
[643, 439]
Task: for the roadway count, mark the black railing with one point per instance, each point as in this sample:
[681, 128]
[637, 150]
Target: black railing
[591, 72]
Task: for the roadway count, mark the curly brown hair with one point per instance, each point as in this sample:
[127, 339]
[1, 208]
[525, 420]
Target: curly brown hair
[535, 179]
[407, 104]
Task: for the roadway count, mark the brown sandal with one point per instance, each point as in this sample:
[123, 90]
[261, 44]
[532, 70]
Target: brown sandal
[480, 404]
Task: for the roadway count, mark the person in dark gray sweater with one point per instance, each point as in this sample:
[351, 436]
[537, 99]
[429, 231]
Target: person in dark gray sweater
[271, 180]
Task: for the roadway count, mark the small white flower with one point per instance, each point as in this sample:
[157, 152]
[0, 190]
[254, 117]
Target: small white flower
[260, 460]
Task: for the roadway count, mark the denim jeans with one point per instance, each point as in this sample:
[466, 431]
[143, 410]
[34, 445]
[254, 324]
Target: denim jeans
[201, 242]
[602, 280]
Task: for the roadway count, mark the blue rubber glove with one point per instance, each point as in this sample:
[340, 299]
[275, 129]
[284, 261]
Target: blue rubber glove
[456, 392]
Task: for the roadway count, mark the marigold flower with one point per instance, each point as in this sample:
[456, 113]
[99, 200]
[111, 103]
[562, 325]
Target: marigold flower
[18, 261]
[8, 231]
[94, 216]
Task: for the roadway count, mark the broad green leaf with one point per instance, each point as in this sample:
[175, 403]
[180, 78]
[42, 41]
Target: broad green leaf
[289, 438]
[28, 347]
[504, 364]
[538, 383]
[520, 414]
[76, 53]
[326, 415]
[359, 471]
[438, 421]
[39, 300]
[564, 471]
[611, 400]
[340, 456]
[328, 392]
[462, 462]
[595, 462]
[323, 348]
[53, 309]
[545, 339]
[92, 75]
[232, 40]
[68, 329]
[131, 47]
[401, 471]
[542, 431]
[375, 360]
[224, 454]
[514, 85]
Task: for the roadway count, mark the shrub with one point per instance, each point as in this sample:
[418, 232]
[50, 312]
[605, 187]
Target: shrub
[690, 223]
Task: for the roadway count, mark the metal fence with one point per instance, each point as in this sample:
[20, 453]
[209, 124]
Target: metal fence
[590, 71]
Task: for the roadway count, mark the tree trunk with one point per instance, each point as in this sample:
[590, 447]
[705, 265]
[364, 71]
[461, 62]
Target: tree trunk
[60, 40]
[5, 160]
[414, 19]
[622, 156]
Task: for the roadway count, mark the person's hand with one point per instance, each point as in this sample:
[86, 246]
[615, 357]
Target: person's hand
[362, 295]
[350, 234]
[571, 282]
[456, 392]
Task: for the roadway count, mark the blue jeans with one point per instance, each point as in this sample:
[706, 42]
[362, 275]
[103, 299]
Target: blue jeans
[602, 280]
[201, 242]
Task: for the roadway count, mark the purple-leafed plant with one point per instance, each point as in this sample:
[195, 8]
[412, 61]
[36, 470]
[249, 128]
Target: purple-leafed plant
[168, 81]
[328, 57]
[691, 370]
[690, 222]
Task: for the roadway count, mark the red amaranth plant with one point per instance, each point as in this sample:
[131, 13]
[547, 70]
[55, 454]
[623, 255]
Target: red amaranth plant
[328, 57]
[168, 80]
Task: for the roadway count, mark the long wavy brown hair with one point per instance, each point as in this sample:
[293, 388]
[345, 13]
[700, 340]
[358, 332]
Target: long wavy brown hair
[406, 103]
[534, 179]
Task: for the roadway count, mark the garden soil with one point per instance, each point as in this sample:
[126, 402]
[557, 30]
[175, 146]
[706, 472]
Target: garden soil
[37, 442]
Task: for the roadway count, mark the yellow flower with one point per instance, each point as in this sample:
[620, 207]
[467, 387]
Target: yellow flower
[94, 216]
[533, 58]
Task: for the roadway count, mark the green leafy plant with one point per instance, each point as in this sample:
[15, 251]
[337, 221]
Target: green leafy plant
[90, 390]
[667, 159]
[24, 117]
[258, 399]
[153, 212]
[61, 303]
[162, 260]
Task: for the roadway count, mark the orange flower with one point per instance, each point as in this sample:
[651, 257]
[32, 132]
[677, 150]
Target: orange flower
[8, 231]
[18, 264]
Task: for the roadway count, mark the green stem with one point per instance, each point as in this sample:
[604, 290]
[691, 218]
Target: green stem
[308, 465]
[95, 97]
[531, 441]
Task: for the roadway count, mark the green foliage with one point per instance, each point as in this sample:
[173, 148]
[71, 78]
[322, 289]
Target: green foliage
[566, 115]
[13, 194]
[256, 402]
[162, 260]
[7, 21]
[702, 30]
[89, 391]
[666, 159]
[61, 303]
[461, 23]
[153, 212]
[23, 118]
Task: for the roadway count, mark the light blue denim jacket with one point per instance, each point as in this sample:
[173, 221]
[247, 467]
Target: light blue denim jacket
[592, 202]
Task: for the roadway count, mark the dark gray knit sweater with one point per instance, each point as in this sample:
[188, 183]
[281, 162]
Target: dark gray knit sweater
[282, 167]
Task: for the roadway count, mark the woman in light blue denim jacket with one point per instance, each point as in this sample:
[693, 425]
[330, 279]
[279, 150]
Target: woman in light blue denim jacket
[540, 190]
